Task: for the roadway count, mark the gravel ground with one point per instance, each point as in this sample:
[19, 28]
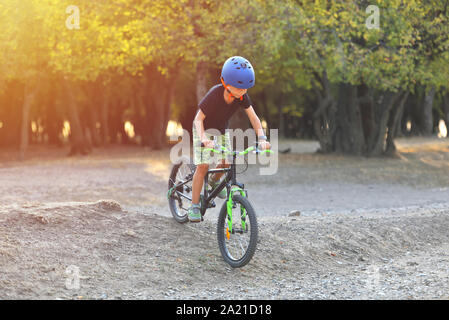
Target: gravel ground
[98, 227]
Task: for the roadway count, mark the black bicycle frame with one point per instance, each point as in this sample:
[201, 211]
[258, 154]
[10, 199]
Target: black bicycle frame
[229, 180]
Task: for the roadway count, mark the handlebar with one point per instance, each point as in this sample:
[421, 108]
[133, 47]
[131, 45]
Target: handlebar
[237, 153]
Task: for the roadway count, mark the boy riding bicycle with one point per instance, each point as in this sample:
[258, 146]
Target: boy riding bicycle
[215, 110]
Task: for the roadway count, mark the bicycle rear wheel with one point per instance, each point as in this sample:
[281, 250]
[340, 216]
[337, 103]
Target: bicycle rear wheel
[237, 241]
[178, 200]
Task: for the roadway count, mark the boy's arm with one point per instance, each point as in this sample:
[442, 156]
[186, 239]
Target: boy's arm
[257, 125]
[199, 126]
[255, 122]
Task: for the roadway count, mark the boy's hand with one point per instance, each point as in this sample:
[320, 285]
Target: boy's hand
[263, 145]
[206, 143]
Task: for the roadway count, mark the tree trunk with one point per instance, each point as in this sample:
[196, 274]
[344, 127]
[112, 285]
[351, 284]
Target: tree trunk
[140, 125]
[104, 118]
[155, 103]
[186, 120]
[92, 125]
[13, 115]
[115, 122]
[53, 128]
[344, 140]
[427, 116]
[168, 98]
[387, 102]
[29, 95]
[92, 113]
[158, 136]
[399, 116]
[76, 130]
[121, 124]
[201, 80]
[324, 118]
[394, 123]
[350, 137]
[359, 122]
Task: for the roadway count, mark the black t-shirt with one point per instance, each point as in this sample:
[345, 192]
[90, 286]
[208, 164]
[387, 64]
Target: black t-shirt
[217, 111]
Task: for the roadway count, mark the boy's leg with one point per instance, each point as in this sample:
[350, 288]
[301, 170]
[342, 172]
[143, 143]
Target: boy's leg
[217, 176]
[197, 183]
[225, 141]
[213, 181]
[201, 159]
[194, 211]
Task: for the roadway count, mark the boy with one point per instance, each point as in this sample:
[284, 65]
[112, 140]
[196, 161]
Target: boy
[215, 110]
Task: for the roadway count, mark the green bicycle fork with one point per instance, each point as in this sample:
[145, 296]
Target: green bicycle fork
[230, 205]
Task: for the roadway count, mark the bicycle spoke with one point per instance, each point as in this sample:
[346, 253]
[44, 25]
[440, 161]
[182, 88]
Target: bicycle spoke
[183, 195]
[243, 249]
[235, 247]
[238, 243]
[182, 186]
[246, 242]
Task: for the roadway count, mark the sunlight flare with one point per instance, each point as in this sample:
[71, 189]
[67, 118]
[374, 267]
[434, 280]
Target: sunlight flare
[442, 129]
[173, 129]
[66, 130]
[129, 129]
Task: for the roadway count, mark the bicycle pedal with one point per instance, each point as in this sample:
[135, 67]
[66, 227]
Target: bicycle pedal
[212, 204]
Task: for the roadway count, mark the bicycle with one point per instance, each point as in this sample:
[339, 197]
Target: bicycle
[239, 224]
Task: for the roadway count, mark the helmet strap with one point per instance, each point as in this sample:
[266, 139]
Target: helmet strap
[229, 91]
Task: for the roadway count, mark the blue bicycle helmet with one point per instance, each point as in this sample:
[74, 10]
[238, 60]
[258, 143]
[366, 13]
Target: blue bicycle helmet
[238, 72]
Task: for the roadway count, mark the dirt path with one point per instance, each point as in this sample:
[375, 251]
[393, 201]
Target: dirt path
[368, 229]
[127, 255]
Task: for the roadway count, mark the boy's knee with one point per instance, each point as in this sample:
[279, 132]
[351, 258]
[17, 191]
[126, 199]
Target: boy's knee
[202, 168]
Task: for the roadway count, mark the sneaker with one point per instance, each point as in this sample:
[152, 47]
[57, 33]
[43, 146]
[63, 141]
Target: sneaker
[223, 193]
[194, 213]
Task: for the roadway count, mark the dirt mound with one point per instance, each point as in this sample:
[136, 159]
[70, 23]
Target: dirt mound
[108, 205]
[349, 239]
[99, 251]
[55, 213]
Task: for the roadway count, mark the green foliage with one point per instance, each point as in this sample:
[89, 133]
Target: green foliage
[333, 37]
[286, 40]
[289, 43]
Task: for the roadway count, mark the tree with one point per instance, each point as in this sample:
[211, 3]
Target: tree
[24, 55]
[361, 77]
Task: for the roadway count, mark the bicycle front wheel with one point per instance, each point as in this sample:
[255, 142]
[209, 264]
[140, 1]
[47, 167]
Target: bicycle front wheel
[237, 232]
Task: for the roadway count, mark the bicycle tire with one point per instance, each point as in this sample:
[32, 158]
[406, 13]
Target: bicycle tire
[250, 212]
[172, 200]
